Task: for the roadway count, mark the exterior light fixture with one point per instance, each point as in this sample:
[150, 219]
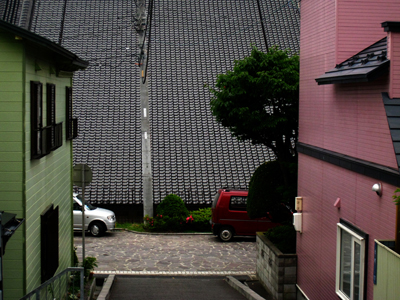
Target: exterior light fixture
[377, 188]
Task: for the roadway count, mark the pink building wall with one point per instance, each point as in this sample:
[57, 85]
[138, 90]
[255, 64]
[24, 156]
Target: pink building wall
[394, 56]
[320, 184]
[346, 118]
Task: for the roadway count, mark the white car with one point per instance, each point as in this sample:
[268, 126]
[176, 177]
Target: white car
[97, 220]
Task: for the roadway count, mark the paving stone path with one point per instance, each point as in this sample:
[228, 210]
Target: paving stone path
[124, 252]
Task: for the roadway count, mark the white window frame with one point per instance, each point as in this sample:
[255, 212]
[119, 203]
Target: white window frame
[356, 238]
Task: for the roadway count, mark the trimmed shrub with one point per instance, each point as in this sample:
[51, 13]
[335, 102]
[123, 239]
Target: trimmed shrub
[283, 237]
[171, 215]
[272, 184]
[172, 206]
[200, 220]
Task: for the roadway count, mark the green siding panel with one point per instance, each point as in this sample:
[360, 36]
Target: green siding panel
[11, 196]
[10, 86]
[10, 156]
[388, 273]
[10, 186]
[11, 106]
[11, 76]
[11, 136]
[10, 126]
[14, 56]
[11, 166]
[9, 46]
[7, 66]
[11, 147]
[10, 116]
[11, 96]
[11, 177]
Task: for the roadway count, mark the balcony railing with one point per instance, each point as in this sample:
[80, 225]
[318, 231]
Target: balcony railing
[64, 285]
[72, 128]
[45, 140]
[386, 271]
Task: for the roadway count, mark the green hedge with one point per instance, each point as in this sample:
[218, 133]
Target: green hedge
[272, 183]
[173, 216]
[200, 220]
[283, 237]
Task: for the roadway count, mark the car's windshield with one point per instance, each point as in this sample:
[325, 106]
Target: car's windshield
[88, 206]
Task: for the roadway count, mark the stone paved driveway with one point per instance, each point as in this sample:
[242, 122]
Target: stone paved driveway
[123, 252]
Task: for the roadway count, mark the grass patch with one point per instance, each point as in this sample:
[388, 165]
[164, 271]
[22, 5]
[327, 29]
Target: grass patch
[139, 228]
[131, 226]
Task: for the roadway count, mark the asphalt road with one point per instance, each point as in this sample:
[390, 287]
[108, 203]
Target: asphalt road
[173, 288]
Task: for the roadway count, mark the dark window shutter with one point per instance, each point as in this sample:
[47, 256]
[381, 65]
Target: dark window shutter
[36, 119]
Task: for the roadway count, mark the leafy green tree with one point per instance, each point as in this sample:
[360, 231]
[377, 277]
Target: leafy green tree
[258, 100]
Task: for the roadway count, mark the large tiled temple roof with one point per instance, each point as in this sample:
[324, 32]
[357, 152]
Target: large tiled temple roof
[191, 42]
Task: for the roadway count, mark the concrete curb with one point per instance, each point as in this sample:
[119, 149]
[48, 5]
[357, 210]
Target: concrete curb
[162, 233]
[105, 291]
[176, 273]
[243, 289]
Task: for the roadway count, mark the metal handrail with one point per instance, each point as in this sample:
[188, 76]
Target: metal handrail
[38, 290]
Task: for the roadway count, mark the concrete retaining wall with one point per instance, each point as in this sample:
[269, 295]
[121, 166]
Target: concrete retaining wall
[276, 271]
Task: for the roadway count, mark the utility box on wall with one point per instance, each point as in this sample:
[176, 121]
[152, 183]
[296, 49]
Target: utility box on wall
[297, 221]
[298, 204]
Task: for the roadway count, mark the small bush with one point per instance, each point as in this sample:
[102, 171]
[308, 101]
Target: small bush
[283, 237]
[161, 223]
[89, 263]
[171, 215]
[200, 220]
[172, 206]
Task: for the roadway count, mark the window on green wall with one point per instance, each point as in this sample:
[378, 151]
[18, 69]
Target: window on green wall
[54, 130]
[48, 138]
[71, 123]
[37, 144]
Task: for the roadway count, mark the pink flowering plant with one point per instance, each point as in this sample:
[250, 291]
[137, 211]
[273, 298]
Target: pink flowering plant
[189, 219]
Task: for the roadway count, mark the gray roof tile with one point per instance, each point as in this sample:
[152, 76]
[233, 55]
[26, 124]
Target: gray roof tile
[191, 42]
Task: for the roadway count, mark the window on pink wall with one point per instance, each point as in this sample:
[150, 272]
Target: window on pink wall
[350, 262]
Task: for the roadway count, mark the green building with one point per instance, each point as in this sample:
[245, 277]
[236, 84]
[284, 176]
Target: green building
[36, 133]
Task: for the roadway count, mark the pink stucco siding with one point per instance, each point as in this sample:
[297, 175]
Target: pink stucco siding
[394, 57]
[346, 118]
[316, 246]
[358, 23]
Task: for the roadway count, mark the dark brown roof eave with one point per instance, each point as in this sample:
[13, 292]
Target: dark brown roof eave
[365, 66]
[364, 77]
[33, 38]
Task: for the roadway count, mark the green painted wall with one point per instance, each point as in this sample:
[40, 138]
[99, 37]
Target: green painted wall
[12, 157]
[28, 186]
[48, 180]
[387, 275]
